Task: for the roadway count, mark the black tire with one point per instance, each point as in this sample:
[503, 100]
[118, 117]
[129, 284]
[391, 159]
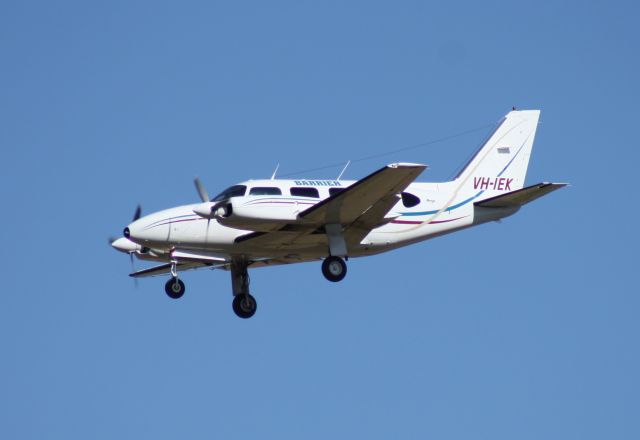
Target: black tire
[334, 269]
[174, 288]
[244, 306]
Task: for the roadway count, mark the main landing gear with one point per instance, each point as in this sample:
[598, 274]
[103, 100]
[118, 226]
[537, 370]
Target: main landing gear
[244, 305]
[334, 269]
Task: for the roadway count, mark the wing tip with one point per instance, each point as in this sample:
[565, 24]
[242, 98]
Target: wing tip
[407, 165]
[556, 185]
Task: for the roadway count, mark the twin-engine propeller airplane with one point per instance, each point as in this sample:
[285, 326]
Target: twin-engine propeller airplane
[269, 222]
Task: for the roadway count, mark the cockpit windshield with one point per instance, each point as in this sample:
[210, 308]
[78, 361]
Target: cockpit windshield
[232, 191]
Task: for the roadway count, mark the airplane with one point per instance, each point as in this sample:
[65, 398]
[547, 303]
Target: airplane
[261, 223]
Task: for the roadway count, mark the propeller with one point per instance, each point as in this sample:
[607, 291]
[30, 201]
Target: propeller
[204, 196]
[133, 269]
[136, 215]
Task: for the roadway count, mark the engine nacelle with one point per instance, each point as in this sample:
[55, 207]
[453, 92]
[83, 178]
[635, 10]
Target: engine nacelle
[256, 214]
[213, 209]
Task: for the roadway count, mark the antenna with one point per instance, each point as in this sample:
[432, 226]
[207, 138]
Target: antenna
[343, 170]
[273, 176]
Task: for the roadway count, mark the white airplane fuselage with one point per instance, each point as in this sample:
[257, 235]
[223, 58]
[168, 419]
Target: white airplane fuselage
[269, 222]
[181, 228]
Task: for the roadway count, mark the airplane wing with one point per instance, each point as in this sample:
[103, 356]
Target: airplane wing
[358, 208]
[374, 217]
[347, 206]
[520, 197]
[187, 260]
[164, 269]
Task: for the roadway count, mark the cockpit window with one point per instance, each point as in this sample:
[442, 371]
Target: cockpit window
[334, 191]
[233, 191]
[305, 192]
[265, 191]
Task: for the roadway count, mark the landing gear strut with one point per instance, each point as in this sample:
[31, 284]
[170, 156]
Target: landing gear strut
[334, 269]
[244, 305]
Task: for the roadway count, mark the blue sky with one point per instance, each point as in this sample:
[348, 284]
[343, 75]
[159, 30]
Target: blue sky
[525, 329]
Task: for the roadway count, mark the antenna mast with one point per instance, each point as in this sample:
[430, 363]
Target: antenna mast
[273, 176]
[343, 170]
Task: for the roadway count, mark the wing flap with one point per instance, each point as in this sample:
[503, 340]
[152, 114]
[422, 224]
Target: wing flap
[521, 196]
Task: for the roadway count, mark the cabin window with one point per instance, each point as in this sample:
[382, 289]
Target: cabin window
[265, 191]
[305, 192]
[233, 191]
[334, 191]
[409, 200]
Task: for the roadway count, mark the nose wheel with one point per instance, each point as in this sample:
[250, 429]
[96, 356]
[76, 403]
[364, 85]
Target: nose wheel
[174, 288]
[334, 269]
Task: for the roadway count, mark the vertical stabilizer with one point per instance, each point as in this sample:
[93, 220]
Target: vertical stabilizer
[500, 165]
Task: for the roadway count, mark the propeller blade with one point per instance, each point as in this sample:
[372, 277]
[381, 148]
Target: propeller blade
[204, 196]
[136, 215]
[133, 268]
[112, 239]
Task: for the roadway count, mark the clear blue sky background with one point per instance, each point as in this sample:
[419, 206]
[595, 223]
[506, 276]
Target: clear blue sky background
[526, 329]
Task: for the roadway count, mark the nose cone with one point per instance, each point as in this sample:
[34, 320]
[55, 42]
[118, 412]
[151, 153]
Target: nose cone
[125, 245]
[151, 230]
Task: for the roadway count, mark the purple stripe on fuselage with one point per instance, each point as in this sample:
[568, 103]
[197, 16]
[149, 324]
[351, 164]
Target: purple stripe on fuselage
[176, 221]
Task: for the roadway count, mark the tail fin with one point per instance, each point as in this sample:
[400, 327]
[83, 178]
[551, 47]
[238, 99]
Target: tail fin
[500, 165]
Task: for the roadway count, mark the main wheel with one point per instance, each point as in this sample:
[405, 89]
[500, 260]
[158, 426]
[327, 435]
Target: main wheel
[244, 305]
[174, 288]
[334, 269]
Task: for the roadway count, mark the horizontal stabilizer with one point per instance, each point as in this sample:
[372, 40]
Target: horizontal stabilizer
[520, 197]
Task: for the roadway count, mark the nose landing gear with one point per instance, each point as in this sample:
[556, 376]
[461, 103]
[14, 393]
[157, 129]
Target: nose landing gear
[174, 288]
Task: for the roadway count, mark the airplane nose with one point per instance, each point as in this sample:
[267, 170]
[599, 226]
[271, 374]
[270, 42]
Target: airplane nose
[147, 231]
[126, 245]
